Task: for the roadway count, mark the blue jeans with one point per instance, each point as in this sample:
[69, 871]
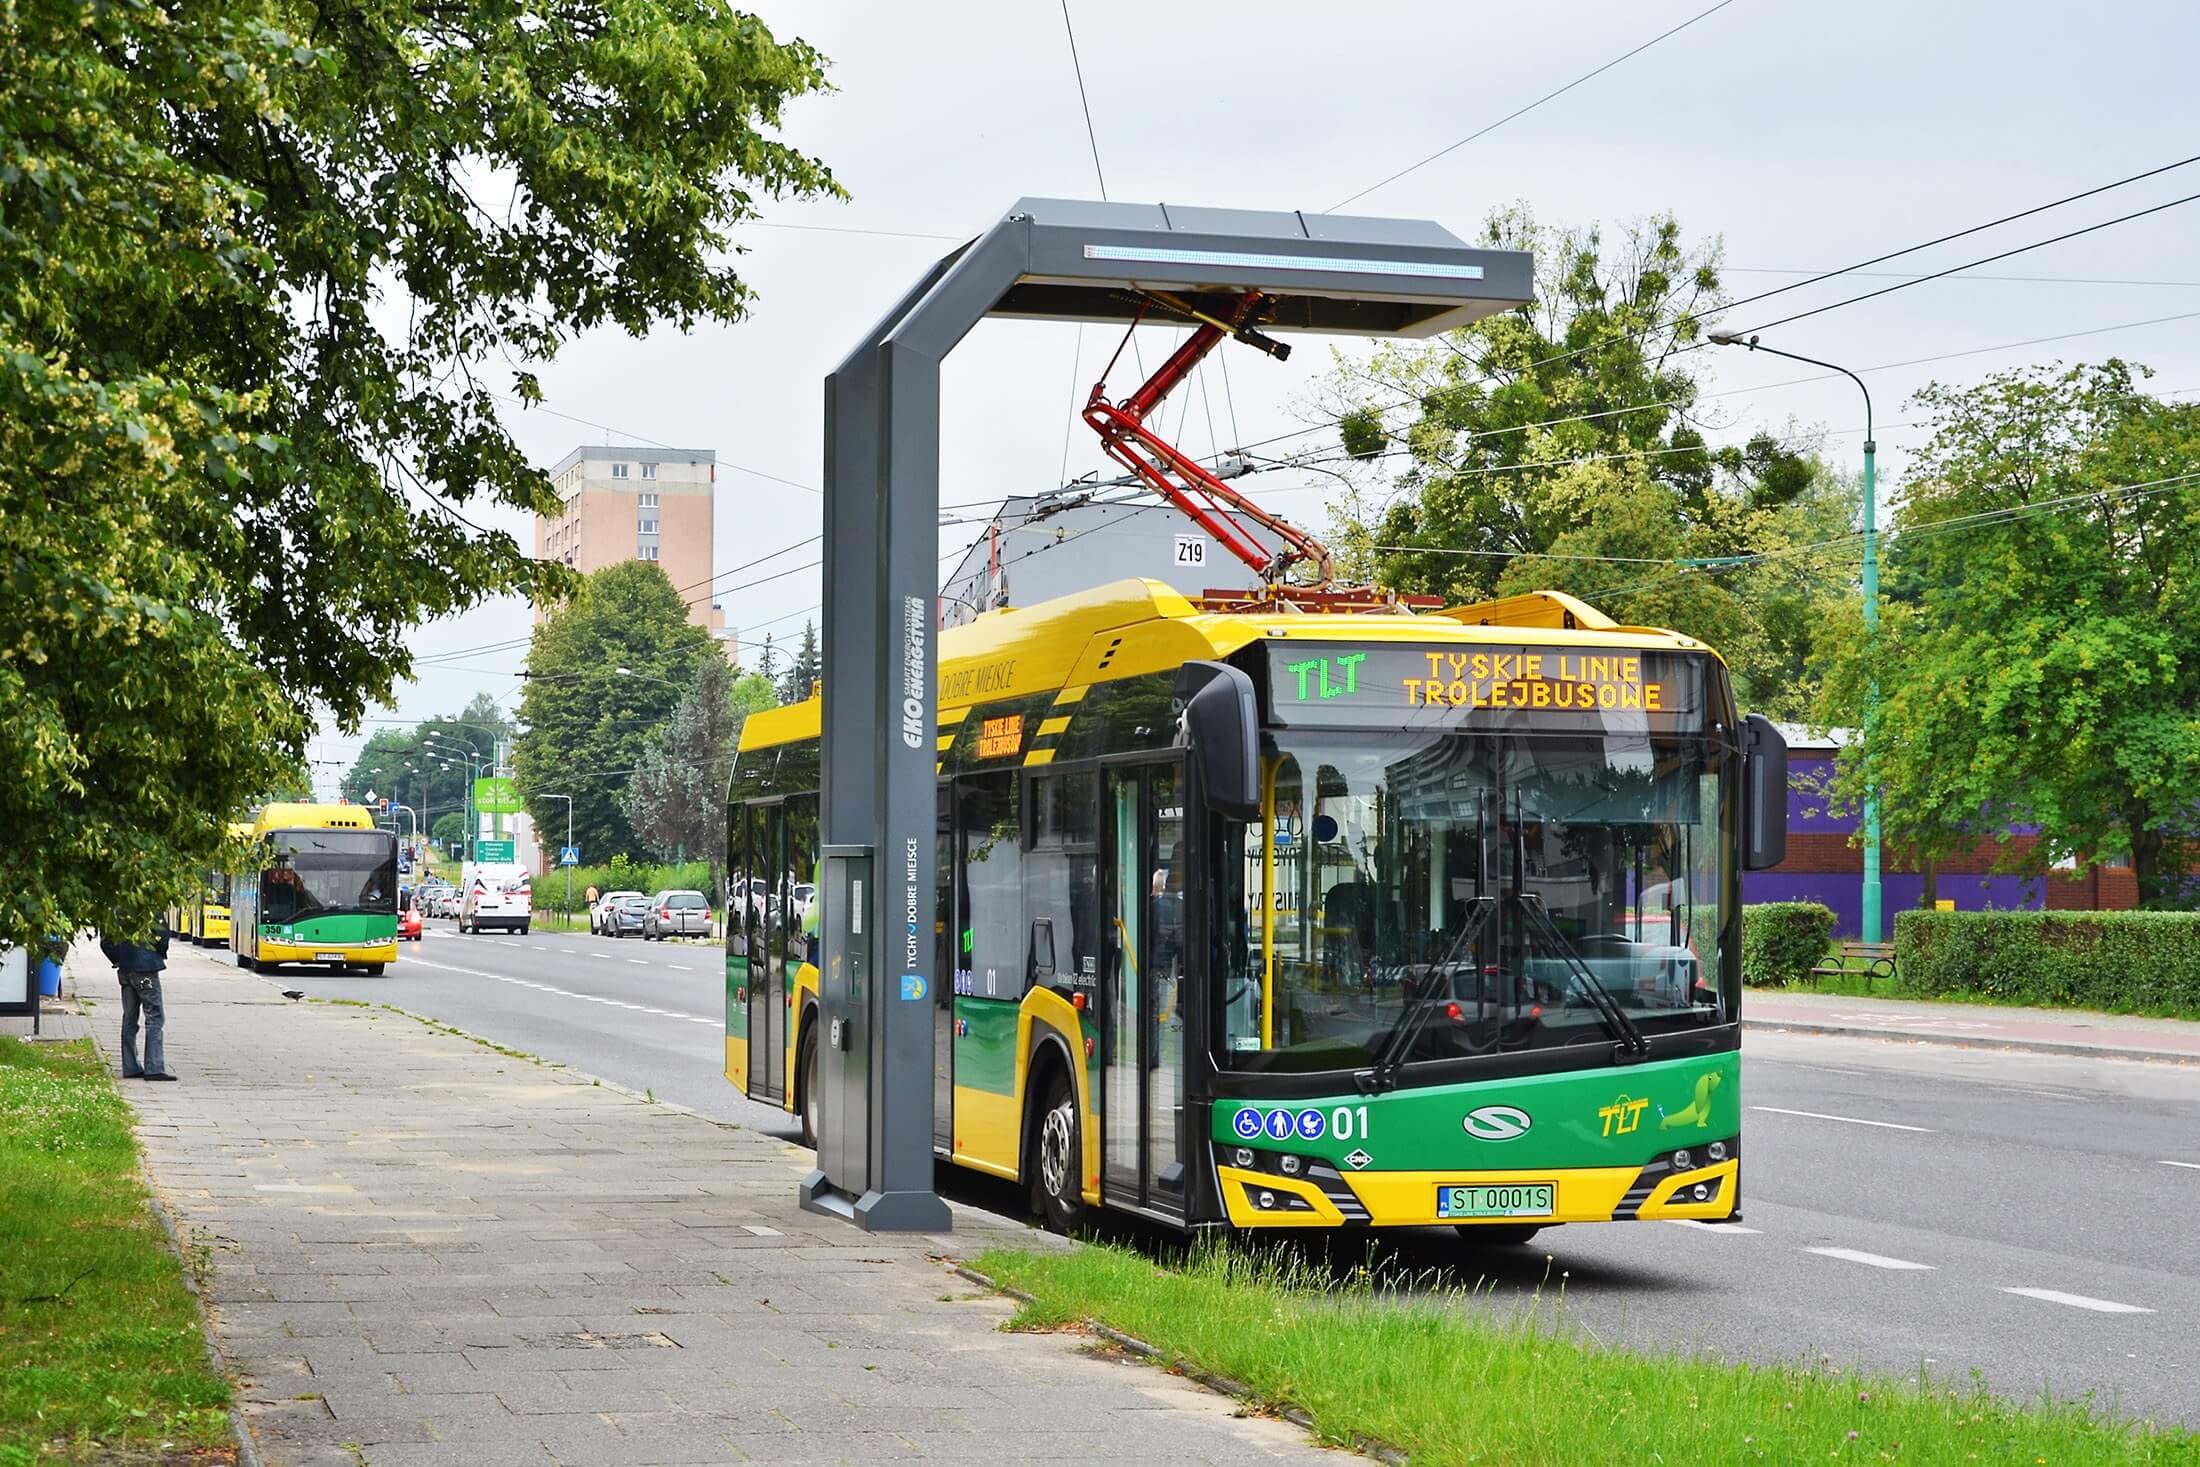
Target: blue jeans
[146, 1001]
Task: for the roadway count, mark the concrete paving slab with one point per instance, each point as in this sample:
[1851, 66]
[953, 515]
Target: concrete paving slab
[463, 1258]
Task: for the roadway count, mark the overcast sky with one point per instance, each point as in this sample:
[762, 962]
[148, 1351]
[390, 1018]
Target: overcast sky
[1805, 137]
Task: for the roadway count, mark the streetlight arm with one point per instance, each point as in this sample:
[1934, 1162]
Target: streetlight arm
[1728, 338]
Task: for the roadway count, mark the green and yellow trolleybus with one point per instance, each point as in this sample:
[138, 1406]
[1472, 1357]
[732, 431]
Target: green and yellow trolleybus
[1470, 955]
[324, 891]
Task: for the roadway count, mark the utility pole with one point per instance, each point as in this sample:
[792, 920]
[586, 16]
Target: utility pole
[561, 855]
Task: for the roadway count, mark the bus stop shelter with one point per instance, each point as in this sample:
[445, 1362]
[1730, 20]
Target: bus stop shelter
[1046, 260]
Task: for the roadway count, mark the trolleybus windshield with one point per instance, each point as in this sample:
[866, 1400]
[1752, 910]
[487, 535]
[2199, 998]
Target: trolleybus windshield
[324, 873]
[1478, 878]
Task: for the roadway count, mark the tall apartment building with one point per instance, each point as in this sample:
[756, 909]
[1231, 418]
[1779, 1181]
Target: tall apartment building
[649, 504]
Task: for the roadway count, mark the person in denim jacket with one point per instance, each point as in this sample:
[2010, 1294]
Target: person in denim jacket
[138, 970]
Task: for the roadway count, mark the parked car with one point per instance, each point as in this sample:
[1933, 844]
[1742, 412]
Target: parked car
[805, 896]
[622, 914]
[596, 908]
[677, 914]
[408, 916]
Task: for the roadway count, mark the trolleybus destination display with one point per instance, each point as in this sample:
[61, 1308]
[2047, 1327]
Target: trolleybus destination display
[1419, 686]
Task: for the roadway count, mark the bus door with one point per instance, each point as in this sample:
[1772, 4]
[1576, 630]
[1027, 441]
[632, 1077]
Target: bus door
[1143, 992]
[767, 919]
[944, 963]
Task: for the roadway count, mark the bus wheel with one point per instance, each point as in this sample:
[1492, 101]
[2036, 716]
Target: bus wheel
[244, 962]
[1055, 1193]
[806, 1069]
[1499, 1235]
[372, 970]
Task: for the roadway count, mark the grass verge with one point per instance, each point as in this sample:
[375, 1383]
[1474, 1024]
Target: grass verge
[1422, 1373]
[101, 1354]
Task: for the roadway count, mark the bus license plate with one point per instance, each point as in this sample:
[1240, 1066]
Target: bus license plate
[328, 957]
[1508, 1199]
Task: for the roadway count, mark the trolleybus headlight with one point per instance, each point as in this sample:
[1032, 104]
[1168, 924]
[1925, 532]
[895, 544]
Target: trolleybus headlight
[1291, 1166]
[1716, 1151]
[1243, 1156]
[1683, 1160]
[1702, 1192]
[1268, 1199]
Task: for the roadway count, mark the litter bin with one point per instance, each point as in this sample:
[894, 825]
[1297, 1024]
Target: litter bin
[49, 978]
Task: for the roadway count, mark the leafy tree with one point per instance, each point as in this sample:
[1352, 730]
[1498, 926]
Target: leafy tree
[676, 800]
[2038, 655]
[588, 724]
[1559, 447]
[252, 260]
[804, 669]
[449, 828]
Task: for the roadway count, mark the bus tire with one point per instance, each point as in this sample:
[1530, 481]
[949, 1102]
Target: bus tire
[1057, 1150]
[806, 1102]
[372, 970]
[1499, 1235]
[244, 962]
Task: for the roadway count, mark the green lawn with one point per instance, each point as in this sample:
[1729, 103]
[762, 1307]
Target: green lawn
[101, 1355]
[1446, 1385]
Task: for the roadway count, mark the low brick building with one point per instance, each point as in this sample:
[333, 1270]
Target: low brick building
[1825, 864]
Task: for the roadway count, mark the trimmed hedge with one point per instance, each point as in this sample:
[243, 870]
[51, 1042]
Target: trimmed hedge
[1783, 941]
[2095, 960]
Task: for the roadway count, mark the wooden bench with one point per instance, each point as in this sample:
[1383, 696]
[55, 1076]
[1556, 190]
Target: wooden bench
[1867, 960]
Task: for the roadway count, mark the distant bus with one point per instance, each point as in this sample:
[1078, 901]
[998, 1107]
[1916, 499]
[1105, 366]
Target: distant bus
[324, 893]
[202, 917]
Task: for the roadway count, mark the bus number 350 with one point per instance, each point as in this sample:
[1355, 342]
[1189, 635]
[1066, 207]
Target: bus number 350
[1348, 1121]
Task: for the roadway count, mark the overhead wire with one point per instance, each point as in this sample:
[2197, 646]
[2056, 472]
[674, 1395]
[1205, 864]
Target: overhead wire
[1530, 107]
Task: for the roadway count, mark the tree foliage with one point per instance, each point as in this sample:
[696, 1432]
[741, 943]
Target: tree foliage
[253, 256]
[803, 669]
[2038, 656]
[676, 801]
[1560, 447]
[425, 766]
[588, 724]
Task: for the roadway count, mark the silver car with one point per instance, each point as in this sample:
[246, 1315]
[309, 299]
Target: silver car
[677, 914]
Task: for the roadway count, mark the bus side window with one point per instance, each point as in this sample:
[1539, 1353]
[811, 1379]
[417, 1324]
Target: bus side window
[992, 863]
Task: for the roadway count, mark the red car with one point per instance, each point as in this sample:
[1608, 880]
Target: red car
[408, 918]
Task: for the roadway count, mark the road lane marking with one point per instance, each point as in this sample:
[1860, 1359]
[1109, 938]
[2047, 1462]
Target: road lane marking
[2080, 1301]
[1819, 1115]
[1708, 1227]
[680, 967]
[615, 1003]
[2188, 1165]
[568, 949]
[639, 962]
[1876, 1260]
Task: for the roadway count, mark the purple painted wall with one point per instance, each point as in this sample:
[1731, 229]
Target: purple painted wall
[1897, 893]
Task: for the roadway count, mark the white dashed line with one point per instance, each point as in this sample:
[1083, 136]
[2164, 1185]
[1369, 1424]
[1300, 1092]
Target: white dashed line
[568, 949]
[1819, 1115]
[639, 962]
[2080, 1301]
[680, 967]
[2188, 1165]
[614, 1003]
[1708, 1227]
[1875, 1260]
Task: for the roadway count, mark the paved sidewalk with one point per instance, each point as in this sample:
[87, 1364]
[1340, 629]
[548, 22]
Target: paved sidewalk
[421, 1251]
[2050, 1031]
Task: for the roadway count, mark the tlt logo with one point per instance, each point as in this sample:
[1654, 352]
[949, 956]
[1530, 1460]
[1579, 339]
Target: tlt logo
[1317, 669]
[1622, 1115]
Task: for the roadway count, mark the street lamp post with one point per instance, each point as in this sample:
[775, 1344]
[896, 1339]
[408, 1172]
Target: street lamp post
[568, 840]
[1869, 925]
[473, 763]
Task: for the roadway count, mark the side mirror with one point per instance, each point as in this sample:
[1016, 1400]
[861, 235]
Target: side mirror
[1220, 725]
[1764, 794]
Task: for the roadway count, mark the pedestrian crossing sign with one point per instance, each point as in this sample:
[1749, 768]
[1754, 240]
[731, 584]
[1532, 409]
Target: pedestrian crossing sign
[569, 855]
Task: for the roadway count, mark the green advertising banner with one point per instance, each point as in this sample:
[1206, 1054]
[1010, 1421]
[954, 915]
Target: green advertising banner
[496, 795]
[495, 852]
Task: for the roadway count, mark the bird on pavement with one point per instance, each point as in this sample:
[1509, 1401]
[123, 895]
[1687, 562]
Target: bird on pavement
[294, 993]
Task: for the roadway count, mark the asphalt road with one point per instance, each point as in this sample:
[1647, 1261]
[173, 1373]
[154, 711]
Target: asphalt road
[2030, 1218]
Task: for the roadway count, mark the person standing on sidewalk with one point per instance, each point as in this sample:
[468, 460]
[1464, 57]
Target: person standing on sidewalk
[138, 970]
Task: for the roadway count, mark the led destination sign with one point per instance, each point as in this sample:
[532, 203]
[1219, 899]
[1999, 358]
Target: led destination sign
[1375, 686]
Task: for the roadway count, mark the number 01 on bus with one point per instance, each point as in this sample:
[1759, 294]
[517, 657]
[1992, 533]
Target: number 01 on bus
[1275, 919]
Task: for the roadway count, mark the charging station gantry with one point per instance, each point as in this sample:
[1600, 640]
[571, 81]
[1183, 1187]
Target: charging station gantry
[1045, 260]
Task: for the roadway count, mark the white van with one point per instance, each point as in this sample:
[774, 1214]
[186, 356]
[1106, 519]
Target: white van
[494, 895]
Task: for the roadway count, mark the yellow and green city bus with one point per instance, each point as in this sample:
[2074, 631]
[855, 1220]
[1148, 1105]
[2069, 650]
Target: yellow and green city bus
[1471, 957]
[203, 918]
[323, 891]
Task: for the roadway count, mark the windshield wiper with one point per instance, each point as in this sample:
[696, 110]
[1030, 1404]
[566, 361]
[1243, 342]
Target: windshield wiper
[1392, 1060]
[1632, 1044]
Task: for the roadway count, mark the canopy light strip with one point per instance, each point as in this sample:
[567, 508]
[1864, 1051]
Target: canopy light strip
[1230, 259]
